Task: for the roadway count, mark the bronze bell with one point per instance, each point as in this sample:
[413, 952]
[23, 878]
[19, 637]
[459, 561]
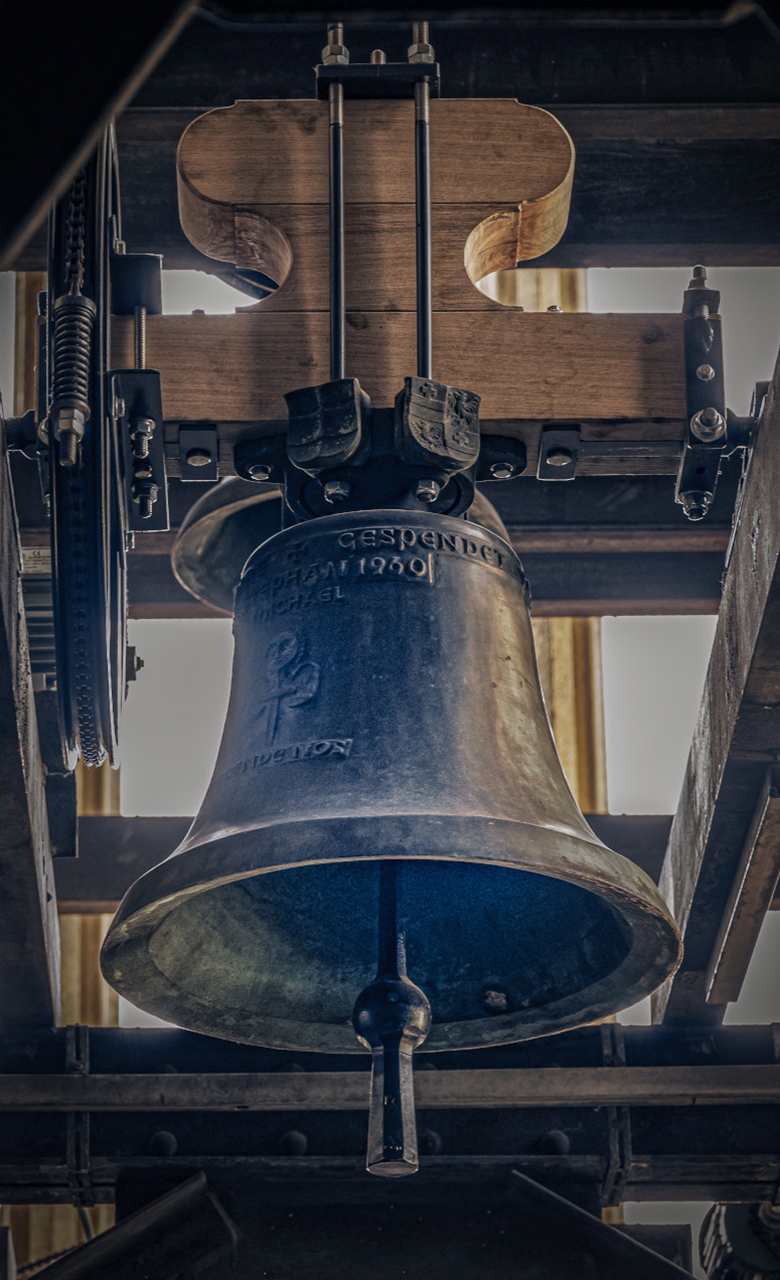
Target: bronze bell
[386, 711]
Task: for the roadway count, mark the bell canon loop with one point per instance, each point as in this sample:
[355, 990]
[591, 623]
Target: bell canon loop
[386, 705]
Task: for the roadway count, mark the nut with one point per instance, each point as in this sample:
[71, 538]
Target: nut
[335, 55]
[259, 471]
[695, 503]
[336, 491]
[503, 469]
[422, 52]
[708, 425]
[427, 490]
[705, 373]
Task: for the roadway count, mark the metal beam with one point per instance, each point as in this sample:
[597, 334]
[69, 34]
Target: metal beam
[488, 1089]
[736, 738]
[29, 935]
[114, 852]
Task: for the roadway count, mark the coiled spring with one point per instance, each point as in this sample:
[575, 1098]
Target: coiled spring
[74, 317]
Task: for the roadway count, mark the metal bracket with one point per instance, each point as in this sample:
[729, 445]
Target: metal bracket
[198, 453]
[137, 411]
[77, 1139]
[378, 80]
[707, 438]
[559, 448]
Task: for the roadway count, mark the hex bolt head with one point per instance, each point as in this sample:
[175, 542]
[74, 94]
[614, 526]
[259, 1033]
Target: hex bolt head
[494, 999]
[198, 457]
[695, 503]
[336, 491]
[559, 457]
[503, 469]
[708, 425]
[555, 307]
[427, 490]
[705, 373]
[259, 471]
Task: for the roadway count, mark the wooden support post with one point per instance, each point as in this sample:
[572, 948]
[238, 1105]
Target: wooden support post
[736, 738]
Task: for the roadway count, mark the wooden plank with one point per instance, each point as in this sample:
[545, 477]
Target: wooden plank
[750, 898]
[236, 164]
[486, 1088]
[236, 369]
[29, 936]
[737, 735]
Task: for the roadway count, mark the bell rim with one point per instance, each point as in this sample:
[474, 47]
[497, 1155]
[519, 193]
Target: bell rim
[653, 957]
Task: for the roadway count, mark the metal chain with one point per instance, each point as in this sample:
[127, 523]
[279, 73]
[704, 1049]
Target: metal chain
[75, 233]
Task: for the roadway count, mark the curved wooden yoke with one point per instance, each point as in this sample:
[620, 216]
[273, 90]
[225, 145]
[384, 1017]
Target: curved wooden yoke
[253, 191]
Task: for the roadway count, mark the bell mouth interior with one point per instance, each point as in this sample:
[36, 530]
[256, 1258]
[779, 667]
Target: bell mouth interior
[279, 958]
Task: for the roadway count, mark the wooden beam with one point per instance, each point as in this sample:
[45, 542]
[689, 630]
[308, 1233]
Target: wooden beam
[683, 170]
[736, 738]
[29, 937]
[114, 852]
[751, 897]
[236, 369]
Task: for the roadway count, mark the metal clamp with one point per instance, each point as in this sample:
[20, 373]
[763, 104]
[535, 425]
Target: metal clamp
[137, 411]
[707, 437]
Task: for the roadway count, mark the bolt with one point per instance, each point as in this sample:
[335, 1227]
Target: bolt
[708, 425]
[695, 503]
[118, 408]
[420, 50]
[69, 448]
[163, 1143]
[494, 999]
[198, 457]
[705, 373]
[335, 53]
[336, 491]
[293, 1143]
[427, 490]
[699, 278]
[555, 307]
[142, 430]
[559, 457]
[145, 494]
[378, 57]
[503, 469]
[259, 471]
[553, 1143]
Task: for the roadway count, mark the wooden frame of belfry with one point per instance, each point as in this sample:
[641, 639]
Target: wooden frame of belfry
[672, 168]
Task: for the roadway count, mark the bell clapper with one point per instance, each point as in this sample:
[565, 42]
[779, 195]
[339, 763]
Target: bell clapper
[391, 1017]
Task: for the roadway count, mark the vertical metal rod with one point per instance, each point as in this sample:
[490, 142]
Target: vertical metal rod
[391, 1017]
[336, 184]
[139, 336]
[392, 935]
[422, 171]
